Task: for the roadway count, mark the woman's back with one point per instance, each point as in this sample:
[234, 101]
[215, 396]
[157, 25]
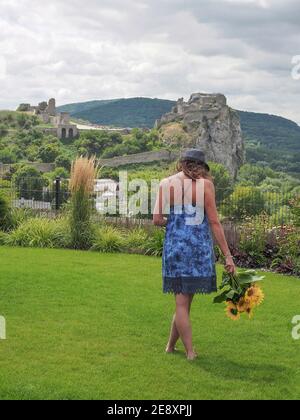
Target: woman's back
[182, 195]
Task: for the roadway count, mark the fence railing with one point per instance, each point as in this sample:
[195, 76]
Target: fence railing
[49, 197]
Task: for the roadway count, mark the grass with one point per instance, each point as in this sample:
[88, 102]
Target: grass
[82, 325]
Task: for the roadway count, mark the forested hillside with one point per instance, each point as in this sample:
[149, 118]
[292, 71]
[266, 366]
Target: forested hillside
[270, 140]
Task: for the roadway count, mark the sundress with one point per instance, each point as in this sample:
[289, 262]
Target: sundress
[189, 263]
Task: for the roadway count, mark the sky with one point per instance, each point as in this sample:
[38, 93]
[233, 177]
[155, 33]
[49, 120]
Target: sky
[77, 50]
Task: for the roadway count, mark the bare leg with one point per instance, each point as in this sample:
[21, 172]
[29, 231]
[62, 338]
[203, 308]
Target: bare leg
[174, 335]
[183, 324]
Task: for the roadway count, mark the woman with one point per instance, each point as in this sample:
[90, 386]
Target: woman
[188, 258]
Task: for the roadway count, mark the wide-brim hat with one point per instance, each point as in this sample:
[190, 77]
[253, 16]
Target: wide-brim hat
[195, 155]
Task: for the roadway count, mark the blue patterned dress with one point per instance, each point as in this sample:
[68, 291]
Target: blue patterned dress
[188, 257]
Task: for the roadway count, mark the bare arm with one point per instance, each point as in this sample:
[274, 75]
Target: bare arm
[216, 226]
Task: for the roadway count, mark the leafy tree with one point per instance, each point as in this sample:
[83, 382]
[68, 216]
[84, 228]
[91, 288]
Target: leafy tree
[222, 180]
[7, 156]
[57, 173]
[254, 174]
[29, 183]
[93, 143]
[49, 152]
[3, 130]
[63, 161]
[244, 202]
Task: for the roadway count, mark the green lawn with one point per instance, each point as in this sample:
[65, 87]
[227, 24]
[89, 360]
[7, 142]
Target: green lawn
[90, 326]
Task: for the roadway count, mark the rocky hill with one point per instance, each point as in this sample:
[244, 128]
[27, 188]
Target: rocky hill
[270, 140]
[209, 124]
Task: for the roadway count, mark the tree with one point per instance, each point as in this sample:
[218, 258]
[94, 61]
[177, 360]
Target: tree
[63, 161]
[254, 174]
[244, 202]
[3, 130]
[29, 183]
[222, 180]
[7, 156]
[49, 152]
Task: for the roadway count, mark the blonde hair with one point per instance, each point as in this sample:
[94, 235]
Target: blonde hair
[193, 169]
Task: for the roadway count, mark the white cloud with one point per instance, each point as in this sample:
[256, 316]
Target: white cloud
[78, 51]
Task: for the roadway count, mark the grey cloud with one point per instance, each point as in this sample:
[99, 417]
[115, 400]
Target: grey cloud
[160, 48]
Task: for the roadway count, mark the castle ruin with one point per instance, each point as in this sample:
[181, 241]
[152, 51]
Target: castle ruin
[208, 123]
[47, 113]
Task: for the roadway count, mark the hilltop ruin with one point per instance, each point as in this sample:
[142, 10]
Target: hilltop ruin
[208, 123]
[47, 113]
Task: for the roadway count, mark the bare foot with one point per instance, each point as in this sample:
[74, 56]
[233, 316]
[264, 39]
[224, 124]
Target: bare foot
[170, 349]
[192, 355]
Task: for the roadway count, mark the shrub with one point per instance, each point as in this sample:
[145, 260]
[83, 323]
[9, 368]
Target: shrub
[29, 183]
[63, 161]
[4, 211]
[281, 217]
[19, 216]
[296, 210]
[287, 259]
[33, 233]
[155, 242]
[253, 241]
[3, 238]
[135, 240]
[108, 239]
[40, 233]
[244, 202]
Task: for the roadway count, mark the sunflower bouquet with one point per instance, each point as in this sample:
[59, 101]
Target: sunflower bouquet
[240, 293]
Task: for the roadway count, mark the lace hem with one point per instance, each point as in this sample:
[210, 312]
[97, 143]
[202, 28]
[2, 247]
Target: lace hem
[190, 285]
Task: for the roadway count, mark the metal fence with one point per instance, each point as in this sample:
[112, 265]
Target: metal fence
[245, 204]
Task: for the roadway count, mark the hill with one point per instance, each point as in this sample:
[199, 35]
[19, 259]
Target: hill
[134, 112]
[270, 140]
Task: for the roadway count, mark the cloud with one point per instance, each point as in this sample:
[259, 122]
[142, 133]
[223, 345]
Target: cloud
[78, 51]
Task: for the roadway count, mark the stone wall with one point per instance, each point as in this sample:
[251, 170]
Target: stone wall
[147, 157]
[42, 167]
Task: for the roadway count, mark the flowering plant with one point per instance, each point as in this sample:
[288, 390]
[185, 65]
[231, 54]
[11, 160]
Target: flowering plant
[240, 293]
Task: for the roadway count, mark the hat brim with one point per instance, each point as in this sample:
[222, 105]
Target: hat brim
[197, 161]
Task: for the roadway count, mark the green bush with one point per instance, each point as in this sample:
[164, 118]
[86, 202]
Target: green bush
[4, 211]
[155, 242]
[29, 183]
[108, 239]
[40, 233]
[3, 238]
[135, 240]
[287, 258]
[253, 240]
[296, 211]
[244, 202]
[19, 216]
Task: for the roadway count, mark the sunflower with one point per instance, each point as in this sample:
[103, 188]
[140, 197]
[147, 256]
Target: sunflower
[249, 312]
[244, 304]
[232, 311]
[255, 295]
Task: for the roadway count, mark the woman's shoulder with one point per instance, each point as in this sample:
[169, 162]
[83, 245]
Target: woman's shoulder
[208, 183]
[171, 179]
